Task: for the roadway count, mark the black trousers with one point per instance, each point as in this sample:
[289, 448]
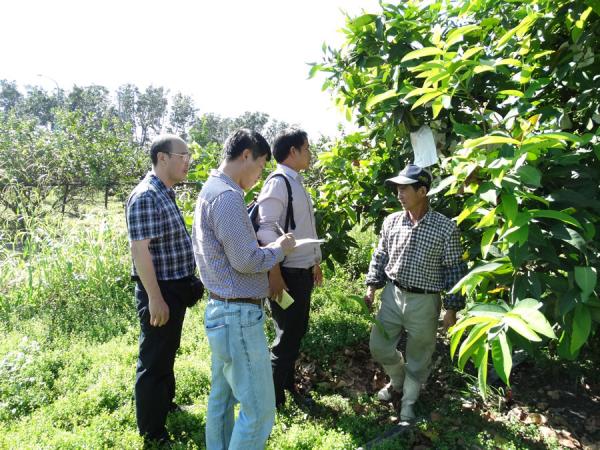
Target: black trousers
[291, 325]
[155, 379]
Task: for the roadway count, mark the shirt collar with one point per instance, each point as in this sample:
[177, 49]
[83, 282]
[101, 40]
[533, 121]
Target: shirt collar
[220, 175]
[158, 184]
[426, 219]
[289, 171]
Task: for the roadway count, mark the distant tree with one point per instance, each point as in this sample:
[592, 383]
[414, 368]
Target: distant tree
[92, 101]
[182, 115]
[210, 128]
[252, 120]
[39, 103]
[273, 128]
[127, 96]
[10, 96]
[151, 108]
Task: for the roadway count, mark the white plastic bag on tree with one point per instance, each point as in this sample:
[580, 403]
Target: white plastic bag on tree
[424, 147]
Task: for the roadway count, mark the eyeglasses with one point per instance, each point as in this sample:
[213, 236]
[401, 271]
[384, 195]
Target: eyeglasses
[186, 157]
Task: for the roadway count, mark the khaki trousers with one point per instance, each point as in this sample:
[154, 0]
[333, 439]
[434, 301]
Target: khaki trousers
[418, 314]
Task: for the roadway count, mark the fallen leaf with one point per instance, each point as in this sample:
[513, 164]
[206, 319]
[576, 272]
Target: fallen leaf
[547, 432]
[435, 416]
[536, 418]
[567, 443]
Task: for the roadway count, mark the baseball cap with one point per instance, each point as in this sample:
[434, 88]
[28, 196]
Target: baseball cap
[412, 174]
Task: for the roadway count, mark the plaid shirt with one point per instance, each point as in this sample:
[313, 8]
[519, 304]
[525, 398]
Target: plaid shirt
[231, 263]
[153, 214]
[427, 255]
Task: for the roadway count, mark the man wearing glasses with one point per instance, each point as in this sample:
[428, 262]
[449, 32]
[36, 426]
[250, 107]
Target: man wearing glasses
[163, 262]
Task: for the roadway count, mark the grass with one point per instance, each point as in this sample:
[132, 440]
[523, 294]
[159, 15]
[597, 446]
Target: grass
[67, 359]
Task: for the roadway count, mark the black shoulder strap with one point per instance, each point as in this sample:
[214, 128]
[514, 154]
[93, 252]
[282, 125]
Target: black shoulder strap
[289, 216]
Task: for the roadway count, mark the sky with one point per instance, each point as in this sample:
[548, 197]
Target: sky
[231, 56]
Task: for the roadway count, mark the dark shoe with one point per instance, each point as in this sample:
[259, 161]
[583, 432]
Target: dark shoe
[174, 408]
[304, 400]
[163, 441]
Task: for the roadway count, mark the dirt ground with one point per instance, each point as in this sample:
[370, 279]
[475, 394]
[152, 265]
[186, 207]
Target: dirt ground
[561, 398]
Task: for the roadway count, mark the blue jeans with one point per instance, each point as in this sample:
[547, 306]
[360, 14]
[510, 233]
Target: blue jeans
[241, 372]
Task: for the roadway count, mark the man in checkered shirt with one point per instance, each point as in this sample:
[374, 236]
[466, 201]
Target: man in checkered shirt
[418, 256]
[163, 264]
[234, 270]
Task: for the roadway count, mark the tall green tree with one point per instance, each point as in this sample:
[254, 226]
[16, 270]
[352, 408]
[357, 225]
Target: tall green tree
[510, 90]
[10, 96]
[182, 114]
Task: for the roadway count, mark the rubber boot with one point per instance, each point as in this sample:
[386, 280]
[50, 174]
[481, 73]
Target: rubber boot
[396, 374]
[411, 390]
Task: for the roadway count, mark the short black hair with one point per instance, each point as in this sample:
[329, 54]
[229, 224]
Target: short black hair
[162, 144]
[288, 138]
[243, 138]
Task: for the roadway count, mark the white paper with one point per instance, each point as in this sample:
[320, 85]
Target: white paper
[285, 300]
[424, 147]
[305, 241]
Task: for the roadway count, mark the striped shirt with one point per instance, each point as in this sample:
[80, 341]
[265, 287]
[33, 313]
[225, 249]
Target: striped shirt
[273, 204]
[426, 255]
[231, 263]
[153, 214]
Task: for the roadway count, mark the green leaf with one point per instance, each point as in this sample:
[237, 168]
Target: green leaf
[553, 214]
[484, 68]
[419, 91]
[487, 220]
[486, 241]
[457, 34]
[473, 343]
[508, 62]
[502, 357]
[566, 234]
[586, 279]
[509, 206]
[520, 29]
[579, 24]
[490, 268]
[530, 175]
[470, 52]
[466, 212]
[512, 92]
[528, 304]
[454, 340]
[436, 107]
[488, 140]
[380, 98]
[425, 98]
[420, 53]
[466, 322]
[527, 309]
[518, 325]
[594, 4]
[582, 324]
[482, 372]
[363, 20]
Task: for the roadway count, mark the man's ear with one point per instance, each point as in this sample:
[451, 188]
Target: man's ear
[246, 154]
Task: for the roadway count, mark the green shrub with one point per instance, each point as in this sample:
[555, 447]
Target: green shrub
[76, 280]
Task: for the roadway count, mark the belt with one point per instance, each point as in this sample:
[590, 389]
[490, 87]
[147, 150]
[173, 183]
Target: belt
[252, 301]
[413, 290]
[297, 270]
